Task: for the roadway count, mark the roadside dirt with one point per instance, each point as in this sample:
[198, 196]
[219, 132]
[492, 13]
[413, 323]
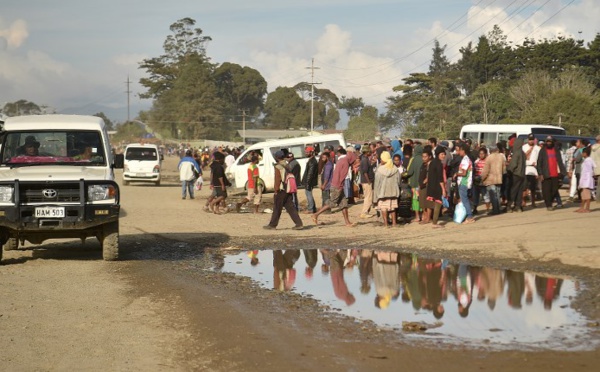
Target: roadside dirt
[63, 308]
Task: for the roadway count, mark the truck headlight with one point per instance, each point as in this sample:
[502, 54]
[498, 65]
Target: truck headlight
[6, 194]
[101, 192]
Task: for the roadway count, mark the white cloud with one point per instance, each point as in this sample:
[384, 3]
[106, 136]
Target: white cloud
[15, 34]
[131, 60]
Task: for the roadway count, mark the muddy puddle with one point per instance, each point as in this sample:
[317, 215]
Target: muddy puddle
[445, 301]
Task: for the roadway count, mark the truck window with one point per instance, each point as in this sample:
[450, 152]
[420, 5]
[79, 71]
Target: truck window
[56, 147]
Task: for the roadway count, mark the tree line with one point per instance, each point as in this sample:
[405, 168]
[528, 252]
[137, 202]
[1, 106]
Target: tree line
[547, 81]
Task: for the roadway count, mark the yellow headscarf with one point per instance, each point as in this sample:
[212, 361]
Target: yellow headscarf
[387, 158]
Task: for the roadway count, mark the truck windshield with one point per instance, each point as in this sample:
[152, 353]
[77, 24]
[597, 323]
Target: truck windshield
[52, 147]
[141, 153]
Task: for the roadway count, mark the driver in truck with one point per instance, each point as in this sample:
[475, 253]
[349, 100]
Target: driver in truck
[30, 148]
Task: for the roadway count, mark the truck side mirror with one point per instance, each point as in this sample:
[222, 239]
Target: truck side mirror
[119, 161]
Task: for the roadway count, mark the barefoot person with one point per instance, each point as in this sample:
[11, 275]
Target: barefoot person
[337, 196]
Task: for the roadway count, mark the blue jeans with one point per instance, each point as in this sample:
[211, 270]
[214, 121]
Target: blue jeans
[310, 200]
[189, 186]
[463, 194]
[494, 193]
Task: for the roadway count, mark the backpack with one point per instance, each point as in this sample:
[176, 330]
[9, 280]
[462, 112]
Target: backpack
[290, 183]
[288, 180]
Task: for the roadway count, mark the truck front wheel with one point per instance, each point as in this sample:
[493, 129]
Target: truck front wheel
[11, 245]
[110, 241]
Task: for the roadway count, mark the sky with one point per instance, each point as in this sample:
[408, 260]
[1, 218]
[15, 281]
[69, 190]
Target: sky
[75, 56]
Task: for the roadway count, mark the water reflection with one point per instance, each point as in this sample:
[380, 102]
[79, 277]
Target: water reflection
[390, 288]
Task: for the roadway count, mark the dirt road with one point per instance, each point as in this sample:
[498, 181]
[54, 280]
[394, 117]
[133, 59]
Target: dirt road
[63, 308]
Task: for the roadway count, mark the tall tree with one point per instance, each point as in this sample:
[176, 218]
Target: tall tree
[21, 107]
[352, 105]
[284, 109]
[363, 127]
[241, 88]
[184, 43]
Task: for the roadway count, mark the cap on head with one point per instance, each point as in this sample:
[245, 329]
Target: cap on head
[278, 155]
[549, 139]
[531, 137]
[309, 149]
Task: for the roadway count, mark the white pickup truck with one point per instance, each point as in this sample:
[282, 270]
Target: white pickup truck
[57, 181]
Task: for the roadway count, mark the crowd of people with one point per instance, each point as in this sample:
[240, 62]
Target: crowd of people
[415, 181]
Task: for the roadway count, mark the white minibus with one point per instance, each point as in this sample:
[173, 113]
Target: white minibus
[237, 173]
[490, 134]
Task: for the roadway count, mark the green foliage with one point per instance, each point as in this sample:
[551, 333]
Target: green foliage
[21, 107]
[352, 105]
[326, 103]
[363, 127]
[286, 109]
[129, 132]
[241, 88]
[539, 81]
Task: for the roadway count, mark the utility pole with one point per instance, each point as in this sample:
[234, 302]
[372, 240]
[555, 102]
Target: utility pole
[243, 126]
[312, 93]
[128, 92]
[560, 115]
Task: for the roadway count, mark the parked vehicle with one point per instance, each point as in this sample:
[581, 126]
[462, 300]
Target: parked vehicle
[237, 172]
[142, 163]
[490, 134]
[57, 181]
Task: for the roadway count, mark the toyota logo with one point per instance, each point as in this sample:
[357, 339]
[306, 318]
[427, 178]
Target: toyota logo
[49, 193]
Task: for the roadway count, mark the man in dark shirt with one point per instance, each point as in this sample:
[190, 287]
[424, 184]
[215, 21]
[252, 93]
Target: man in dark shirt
[218, 182]
[310, 179]
[294, 168]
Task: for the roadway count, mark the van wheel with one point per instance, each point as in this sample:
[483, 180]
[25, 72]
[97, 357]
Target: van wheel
[11, 245]
[110, 241]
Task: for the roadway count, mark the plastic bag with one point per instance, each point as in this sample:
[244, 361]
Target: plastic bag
[460, 213]
[199, 183]
[445, 203]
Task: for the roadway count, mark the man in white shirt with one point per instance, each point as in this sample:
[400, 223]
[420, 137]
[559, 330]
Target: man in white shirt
[531, 157]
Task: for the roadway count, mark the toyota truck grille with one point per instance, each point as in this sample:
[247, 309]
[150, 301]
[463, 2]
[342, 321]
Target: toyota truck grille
[57, 193]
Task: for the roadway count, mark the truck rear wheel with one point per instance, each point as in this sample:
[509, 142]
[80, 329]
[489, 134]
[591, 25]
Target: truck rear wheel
[11, 245]
[110, 241]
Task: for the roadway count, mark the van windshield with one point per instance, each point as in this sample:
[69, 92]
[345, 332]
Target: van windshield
[141, 153]
[59, 147]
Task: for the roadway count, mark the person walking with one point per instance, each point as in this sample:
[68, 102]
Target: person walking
[338, 198]
[491, 177]
[516, 171]
[310, 179]
[479, 188]
[281, 198]
[552, 170]
[189, 171]
[386, 188]
[367, 177]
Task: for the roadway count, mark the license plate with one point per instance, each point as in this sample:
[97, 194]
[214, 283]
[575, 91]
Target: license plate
[50, 212]
[140, 174]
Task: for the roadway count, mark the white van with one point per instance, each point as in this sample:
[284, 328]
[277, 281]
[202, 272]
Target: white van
[490, 134]
[142, 163]
[237, 173]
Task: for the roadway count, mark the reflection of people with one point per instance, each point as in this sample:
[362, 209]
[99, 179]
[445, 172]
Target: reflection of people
[30, 148]
[284, 274]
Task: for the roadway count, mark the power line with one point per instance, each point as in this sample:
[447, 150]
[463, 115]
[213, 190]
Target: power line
[312, 93]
